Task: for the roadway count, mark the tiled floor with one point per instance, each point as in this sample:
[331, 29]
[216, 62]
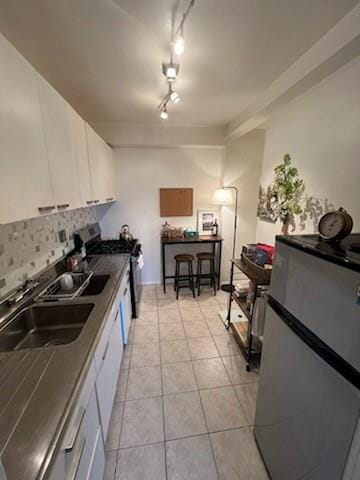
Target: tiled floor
[185, 404]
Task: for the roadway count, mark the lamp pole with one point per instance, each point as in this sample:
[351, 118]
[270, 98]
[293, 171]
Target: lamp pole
[236, 211]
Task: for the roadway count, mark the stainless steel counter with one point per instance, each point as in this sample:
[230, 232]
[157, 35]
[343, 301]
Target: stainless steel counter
[39, 387]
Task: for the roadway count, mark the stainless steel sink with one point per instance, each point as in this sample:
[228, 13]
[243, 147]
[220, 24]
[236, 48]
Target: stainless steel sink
[42, 326]
[96, 285]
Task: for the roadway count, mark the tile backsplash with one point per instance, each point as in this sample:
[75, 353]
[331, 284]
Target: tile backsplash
[27, 247]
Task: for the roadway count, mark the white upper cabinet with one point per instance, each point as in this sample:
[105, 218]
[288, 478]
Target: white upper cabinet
[78, 132]
[24, 173]
[101, 167]
[59, 147]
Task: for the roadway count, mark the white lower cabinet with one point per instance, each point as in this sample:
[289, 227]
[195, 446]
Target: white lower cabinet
[82, 454]
[107, 378]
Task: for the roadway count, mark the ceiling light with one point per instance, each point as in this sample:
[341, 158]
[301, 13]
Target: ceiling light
[163, 114]
[179, 45]
[174, 97]
[170, 70]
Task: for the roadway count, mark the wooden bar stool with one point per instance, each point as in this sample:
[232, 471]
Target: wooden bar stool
[189, 278]
[203, 257]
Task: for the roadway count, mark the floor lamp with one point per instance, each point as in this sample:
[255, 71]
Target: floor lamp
[223, 196]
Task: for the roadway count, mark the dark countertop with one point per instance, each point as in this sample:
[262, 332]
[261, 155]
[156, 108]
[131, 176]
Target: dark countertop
[196, 239]
[345, 253]
[39, 387]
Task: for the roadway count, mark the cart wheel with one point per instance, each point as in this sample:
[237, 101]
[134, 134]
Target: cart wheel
[248, 368]
[227, 327]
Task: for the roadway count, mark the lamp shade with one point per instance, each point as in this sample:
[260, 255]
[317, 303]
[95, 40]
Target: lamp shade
[223, 196]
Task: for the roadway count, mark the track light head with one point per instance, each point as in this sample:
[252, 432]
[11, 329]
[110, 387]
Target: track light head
[170, 70]
[163, 113]
[174, 97]
[179, 45]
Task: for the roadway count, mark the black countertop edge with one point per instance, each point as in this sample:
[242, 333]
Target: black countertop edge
[295, 242]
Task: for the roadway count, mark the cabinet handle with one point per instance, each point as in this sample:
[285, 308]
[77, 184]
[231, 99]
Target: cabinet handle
[105, 351]
[69, 445]
[125, 292]
[89, 202]
[63, 205]
[116, 316]
[77, 460]
[46, 209]
[110, 199]
[96, 201]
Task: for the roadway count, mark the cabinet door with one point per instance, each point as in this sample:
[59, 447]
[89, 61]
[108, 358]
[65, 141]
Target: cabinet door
[25, 180]
[110, 190]
[78, 133]
[96, 170]
[108, 376]
[98, 462]
[59, 146]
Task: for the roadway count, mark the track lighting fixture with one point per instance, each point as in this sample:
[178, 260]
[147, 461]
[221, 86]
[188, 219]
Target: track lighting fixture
[170, 70]
[163, 113]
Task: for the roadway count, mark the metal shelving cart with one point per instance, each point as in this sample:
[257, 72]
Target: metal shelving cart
[249, 344]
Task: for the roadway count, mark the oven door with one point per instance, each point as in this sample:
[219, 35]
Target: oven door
[135, 284]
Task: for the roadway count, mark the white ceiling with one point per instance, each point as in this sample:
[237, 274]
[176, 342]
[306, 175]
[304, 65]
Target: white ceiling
[104, 56]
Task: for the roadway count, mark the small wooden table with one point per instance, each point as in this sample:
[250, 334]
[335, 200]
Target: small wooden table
[216, 242]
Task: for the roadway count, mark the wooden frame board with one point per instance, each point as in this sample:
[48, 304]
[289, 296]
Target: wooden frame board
[176, 202]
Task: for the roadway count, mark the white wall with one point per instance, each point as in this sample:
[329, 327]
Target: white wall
[321, 132]
[242, 169]
[140, 172]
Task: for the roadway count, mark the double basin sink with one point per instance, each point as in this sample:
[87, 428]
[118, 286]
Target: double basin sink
[47, 325]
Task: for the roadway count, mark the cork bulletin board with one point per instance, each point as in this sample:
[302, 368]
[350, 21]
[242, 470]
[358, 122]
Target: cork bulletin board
[176, 202]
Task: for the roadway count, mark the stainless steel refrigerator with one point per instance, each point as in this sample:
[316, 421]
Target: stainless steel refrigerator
[308, 403]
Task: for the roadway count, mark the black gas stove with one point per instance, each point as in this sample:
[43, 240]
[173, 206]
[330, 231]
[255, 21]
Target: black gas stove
[91, 236]
[113, 247]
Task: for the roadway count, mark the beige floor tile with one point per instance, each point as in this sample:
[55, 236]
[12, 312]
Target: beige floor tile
[146, 335]
[236, 368]
[202, 347]
[226, 345]
[113, 435]
[183, 415]
[191, 314]
[210, 373]
[145, 355]
[207, 301]
[140, 463]
[147, 318]
[187, 301]
[121, 385]
[142, 422]
[125, 361]
[222, 409]
[196, 329]
[169, 316]
[174, 351]
[147, 306]
[110, 465]
[144, 382]
[237, 456]
[190, 459]
[211, 312]
[247, 394]
[217, 327]
[171, 331]
[178, 377]
[167, 304]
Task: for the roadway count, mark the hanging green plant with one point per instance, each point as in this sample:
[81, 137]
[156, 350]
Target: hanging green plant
[288, 189]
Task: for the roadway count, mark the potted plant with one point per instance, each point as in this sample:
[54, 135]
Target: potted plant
[288, 190]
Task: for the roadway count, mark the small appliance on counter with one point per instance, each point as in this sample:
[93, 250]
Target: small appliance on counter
[125, 234]
[91, 236]
[190, 232]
